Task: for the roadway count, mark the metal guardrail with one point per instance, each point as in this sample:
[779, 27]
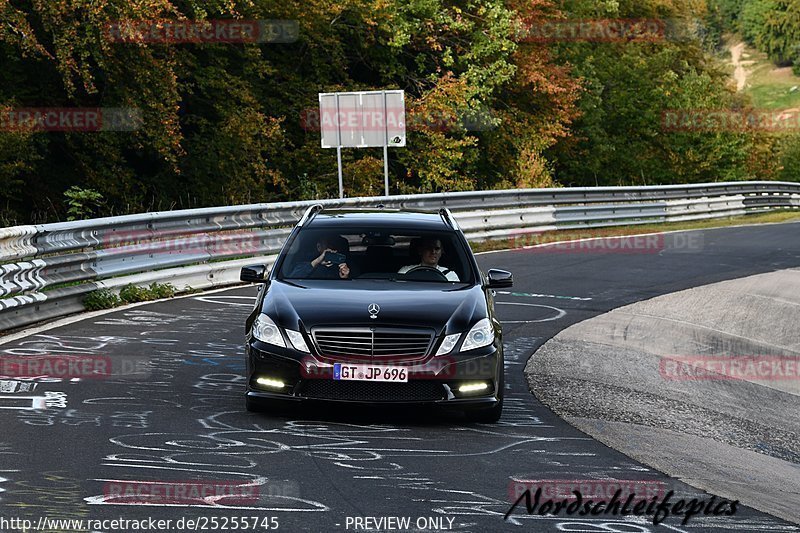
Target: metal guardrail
[47, 270]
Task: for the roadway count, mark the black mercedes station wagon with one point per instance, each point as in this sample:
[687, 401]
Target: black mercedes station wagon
[376, 306]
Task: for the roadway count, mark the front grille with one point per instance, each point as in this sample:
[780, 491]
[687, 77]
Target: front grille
[372, 342]
[367, 391]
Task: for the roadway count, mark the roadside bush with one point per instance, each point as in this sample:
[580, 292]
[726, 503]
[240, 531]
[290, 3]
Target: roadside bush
[162, 290]
[101, 299]
[106, 299]
[131, 294]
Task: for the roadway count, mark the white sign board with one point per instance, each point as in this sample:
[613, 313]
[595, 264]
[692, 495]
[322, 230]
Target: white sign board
[362, 119]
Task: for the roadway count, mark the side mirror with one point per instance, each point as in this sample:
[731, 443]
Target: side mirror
[499, 279]
[254, 274]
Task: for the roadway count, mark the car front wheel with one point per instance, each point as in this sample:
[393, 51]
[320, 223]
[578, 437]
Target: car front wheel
[493, 414]
[253, 405]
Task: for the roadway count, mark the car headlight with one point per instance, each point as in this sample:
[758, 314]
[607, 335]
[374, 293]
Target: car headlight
[448, 344]
[297, 340]
[479, 336]
[265, 330]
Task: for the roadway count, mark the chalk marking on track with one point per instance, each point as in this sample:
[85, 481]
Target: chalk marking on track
[216, 300]
[536, 295]
[559, 313]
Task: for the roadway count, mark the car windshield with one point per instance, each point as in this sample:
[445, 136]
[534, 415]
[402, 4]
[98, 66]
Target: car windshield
[391, 255]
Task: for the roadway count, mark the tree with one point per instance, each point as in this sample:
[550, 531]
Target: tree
[779, 34]
[619, 138]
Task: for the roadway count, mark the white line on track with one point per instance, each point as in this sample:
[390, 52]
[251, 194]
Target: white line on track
[559, 313]
[535, 295]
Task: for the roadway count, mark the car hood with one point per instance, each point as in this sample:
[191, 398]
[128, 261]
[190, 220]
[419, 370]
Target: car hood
[346, 303]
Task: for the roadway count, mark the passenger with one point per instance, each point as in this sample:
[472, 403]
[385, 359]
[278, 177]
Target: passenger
[319, 267]
[430, 251]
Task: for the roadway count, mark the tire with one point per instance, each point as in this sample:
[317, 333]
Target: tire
[491, 415]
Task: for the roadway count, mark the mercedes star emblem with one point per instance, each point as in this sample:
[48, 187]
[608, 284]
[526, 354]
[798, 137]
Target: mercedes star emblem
[373, 309]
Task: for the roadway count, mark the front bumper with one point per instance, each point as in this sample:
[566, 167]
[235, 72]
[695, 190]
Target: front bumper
[431, 380]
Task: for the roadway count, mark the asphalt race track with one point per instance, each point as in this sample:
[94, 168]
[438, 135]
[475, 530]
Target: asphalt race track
[318, 469]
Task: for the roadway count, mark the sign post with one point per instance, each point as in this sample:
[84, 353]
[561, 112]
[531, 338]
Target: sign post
[363, 119]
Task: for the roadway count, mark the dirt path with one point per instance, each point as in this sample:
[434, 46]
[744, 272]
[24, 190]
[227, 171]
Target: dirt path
[739, 73]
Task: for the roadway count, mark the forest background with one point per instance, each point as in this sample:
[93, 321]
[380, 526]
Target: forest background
[227, 123]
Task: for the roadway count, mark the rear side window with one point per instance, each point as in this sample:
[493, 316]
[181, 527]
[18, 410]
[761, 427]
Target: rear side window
[392, 255]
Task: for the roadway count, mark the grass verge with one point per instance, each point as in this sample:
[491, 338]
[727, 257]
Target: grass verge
[769, 86]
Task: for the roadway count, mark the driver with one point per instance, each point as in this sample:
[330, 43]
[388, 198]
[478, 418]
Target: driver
[430, 251]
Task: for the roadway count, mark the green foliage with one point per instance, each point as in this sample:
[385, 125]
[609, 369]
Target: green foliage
[789, 153]
[101, 299]
[620, 139]
[82, 204]
[16, 162]
[772, 26]
[106, 299]
[132, 293]
[162, 290]
[753, 18]
[729, 12]
[221, 123]
[779, 36]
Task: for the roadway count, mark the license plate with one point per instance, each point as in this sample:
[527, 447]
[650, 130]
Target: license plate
[345, 372]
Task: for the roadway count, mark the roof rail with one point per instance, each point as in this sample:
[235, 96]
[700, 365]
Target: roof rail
[309, 214]
[447, 216]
